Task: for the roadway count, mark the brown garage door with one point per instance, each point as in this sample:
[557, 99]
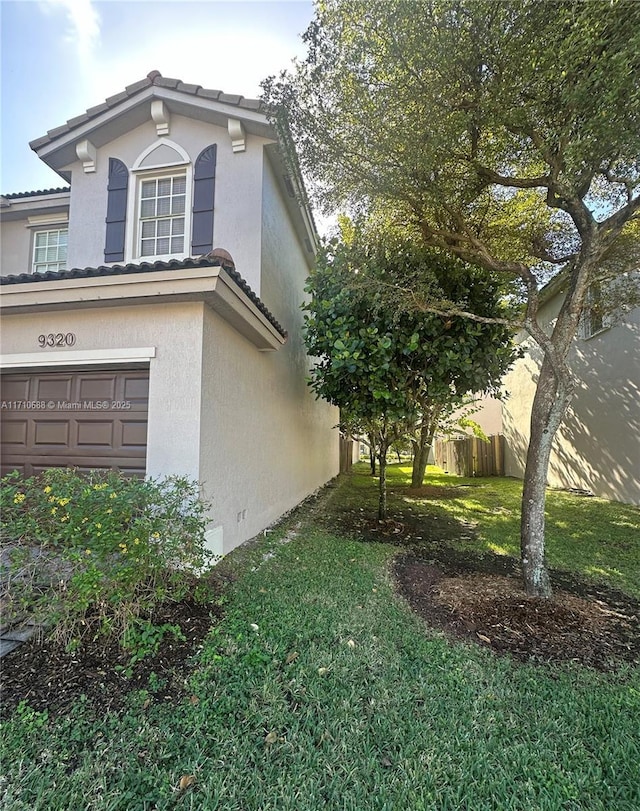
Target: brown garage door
[75, 419]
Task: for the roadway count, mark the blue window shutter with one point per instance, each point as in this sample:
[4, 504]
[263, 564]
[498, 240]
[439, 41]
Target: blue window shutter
[204, 184]
[116, 211]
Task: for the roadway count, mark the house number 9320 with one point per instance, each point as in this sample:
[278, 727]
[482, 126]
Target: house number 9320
[57, 339]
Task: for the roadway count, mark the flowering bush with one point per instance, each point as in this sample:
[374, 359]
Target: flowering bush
[93, 553]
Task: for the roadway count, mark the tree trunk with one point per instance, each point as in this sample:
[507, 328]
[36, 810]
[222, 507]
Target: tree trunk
[549, 407]
[382, 490]
[422, 449]
[372, 460]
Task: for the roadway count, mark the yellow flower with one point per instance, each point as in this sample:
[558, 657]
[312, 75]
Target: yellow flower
[63, 501]
[85, 519]
[113, 495]
[109, 511]
[156, 535]
[19, 498]
[136, 540]
[47, 489]
[123, 547]
[87, 551]
[54, 510]
[98, 526]
[64, 518]
[51, 499]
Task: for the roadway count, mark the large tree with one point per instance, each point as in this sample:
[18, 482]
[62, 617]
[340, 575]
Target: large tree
[506, 132]
[395, 367]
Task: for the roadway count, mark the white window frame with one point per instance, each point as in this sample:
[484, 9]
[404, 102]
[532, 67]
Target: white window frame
[61, 264]
[592, 300]
[140, 173]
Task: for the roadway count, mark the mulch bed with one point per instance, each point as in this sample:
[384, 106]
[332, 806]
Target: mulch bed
[481, 599]
[47, 677]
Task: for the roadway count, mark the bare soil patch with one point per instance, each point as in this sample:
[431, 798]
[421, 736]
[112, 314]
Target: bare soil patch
[47, 677]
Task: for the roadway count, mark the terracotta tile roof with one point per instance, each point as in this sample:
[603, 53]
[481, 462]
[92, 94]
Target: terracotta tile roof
[39, 193]
[153, 78]
[148, 267]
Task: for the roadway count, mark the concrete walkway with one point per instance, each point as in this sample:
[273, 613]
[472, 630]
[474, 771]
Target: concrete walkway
[11, 638]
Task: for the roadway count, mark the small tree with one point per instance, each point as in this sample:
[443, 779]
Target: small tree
[391, 367]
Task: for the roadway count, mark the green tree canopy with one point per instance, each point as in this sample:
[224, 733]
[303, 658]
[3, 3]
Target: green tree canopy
[505, 132]
[378, 358]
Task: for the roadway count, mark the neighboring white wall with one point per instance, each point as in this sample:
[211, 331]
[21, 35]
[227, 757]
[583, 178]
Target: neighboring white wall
[238, 201]
[598, 445]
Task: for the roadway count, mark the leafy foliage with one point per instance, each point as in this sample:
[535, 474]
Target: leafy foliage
[391, 366]
[96, 554]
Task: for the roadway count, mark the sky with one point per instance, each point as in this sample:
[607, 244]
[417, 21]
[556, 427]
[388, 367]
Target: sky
[60, 57]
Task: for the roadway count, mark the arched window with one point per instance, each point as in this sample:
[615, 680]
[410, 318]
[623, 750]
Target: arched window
[162, 208]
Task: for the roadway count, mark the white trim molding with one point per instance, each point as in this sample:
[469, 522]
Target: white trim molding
[77, 357]
[237, 135]
[161, 117]
[86, 152]
[43, 220]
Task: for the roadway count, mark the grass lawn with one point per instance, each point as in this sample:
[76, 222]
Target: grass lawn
[320, 689]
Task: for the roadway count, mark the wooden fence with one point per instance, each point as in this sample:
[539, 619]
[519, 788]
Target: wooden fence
[471, 456]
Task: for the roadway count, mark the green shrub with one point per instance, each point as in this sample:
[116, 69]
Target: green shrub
[93, 553]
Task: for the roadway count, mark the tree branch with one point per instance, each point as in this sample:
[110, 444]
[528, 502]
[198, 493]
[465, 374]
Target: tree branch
[512, 182]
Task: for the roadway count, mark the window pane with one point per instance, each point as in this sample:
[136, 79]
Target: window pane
[177, 244]
[164, 206]
[148, 229]
[164, 187]
[180, 185]
[148, 208]
[148, 188]
[177, 206]
[62, 253]
[148, 248]
[162, 246]
[41, 239]
[52, 254]
[164, 228]
[62, 237]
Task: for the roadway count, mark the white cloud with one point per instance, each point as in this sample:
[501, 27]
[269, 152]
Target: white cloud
[83, 24]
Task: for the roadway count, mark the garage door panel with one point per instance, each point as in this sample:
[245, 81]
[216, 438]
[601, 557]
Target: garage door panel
[47, 387]
[16, 389]
[80, 435]
[98, 388]
[50, 432]
[94, 434]
[14, 433]
[133, 434]
[136, 389]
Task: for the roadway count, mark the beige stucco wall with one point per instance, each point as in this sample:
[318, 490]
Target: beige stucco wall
[237, 213]
[266, 443]
[15, 247]
[266, 417]
[598, 446]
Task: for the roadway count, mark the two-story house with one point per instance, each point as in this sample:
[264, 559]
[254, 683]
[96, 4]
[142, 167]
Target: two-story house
[151, 309]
